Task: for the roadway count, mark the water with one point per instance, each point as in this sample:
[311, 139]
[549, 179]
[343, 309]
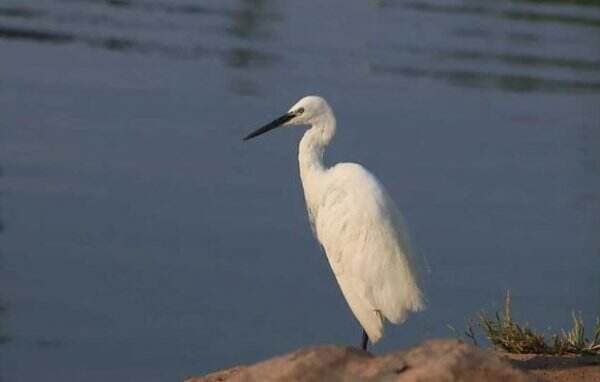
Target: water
[142, 240]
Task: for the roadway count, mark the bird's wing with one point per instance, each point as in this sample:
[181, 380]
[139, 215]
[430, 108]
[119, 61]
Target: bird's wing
[366, 244]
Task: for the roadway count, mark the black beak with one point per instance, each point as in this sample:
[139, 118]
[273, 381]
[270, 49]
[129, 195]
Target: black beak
[270, 126]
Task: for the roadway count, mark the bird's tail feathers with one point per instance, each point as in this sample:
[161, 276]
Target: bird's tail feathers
[410, 300]
[374, 328]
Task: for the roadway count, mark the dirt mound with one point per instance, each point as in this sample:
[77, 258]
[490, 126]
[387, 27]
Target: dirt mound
[436, 360]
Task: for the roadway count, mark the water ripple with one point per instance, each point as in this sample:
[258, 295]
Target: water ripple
[487, 80]
[535, 16]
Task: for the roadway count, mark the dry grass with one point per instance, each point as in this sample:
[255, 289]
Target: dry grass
[506, 334]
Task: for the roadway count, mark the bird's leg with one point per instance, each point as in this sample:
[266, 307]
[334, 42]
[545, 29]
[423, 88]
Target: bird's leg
[365, 340]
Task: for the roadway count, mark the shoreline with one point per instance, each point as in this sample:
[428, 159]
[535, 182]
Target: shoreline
[444, 360]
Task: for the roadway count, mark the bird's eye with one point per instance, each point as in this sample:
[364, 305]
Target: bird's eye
[300, 110]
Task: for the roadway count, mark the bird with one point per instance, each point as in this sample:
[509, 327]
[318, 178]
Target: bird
[358, 225]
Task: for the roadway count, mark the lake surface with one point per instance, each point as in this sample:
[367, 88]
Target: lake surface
[142, 240]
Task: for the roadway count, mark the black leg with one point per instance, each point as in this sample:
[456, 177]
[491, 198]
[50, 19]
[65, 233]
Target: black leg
[365, 340]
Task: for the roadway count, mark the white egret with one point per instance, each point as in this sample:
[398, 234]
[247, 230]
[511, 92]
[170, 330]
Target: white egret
[357, 224]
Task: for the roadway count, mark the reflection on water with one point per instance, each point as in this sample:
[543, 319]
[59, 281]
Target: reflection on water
[59, 23]
[250, 24]
[19, 12]
[157, 263]
[475, 60]
[503, 11]
[109, 43]
[551, 18]
[487, 78]
[473, 32]
[509, 82]
[247, 23]
[593, 3]
[248, 57]
[517, 59]
[250, 21]
[34, 35]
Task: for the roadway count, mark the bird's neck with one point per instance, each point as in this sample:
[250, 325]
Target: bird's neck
[310, 158]
[313, 143]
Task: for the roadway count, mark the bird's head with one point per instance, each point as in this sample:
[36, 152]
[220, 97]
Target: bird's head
[307, 111]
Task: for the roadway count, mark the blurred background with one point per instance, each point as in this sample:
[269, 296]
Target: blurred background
[142, 240]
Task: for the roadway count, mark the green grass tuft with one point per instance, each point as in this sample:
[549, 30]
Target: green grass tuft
[506, 334]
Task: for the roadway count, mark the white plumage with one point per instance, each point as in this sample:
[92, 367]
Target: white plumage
[357, 223]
